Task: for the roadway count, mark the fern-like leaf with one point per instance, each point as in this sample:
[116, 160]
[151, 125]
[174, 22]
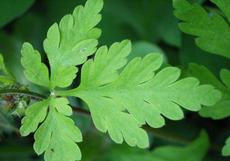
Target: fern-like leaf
[137, 95]
[67, 45]
[221, 109]
[72, 41]
[121, 98]
[211, 28]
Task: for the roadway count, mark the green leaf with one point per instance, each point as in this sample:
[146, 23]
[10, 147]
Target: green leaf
[62, 106]
[72, 41]
[11, 47]
[118, 123]
[156, 94]
[2, 65]
[55, 132]
[125, 153]
[34, 70]
[191, 53]
[226, 149]
[195, 151]
[224, 5]
[67, 45]
[211, 29]
[121, 99]
[221, 109]
[34, 115]
[10, 9]
[225, 77]
[5, 77]
[57, 136]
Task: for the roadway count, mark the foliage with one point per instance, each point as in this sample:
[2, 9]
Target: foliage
[131, 93]
[163, 153]
[226, 149]
[221, 109]
[212, 30]
[5, 78]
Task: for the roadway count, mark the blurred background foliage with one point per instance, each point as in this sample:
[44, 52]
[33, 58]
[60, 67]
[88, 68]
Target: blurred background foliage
[151, 26]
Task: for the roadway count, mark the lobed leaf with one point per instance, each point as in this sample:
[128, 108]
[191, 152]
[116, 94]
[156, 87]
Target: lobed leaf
[35, 71]
[121, 98]
[72, 41]
[138, 92]
[34, 115]
[199, 147]
[62, 106]
[57, 134]
[67, 45]
[221, 109]
[56, 137]
[211, 29]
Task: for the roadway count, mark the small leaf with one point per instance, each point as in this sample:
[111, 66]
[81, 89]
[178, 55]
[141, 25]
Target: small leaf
[221, 109]
[226, 149]
[55, 132]
[72, 41]
[56, 137]
[5, 77]
[62, 106]
[35, 71]
[34, 115]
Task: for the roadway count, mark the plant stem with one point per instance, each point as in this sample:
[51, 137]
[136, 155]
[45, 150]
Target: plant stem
[22, 92]
[36, 96]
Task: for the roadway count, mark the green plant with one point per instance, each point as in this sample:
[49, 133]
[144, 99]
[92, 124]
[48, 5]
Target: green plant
[123, 97]
[213, 32]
